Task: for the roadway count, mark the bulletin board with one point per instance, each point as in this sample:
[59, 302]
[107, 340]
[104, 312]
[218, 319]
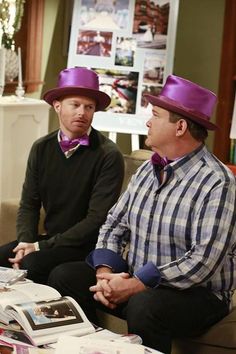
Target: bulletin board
[130, 44]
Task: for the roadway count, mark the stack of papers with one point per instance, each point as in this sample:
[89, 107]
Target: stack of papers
[9, 276]
[85, 345]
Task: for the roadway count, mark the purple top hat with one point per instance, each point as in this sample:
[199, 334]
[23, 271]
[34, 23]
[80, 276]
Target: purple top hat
[78, 81]
[186, 98]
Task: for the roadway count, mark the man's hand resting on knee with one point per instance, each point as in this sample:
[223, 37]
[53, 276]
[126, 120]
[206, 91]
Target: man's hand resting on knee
[112, 289]
[21, 250]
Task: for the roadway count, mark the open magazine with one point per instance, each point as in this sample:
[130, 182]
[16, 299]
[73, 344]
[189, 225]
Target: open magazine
[42, 312]
[23, 291]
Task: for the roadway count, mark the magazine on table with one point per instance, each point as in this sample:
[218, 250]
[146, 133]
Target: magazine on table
[12, 335]
[102, 341]
[86, 345]
[9, 276]
[42, 312]
[19, 348]
[20, 292]
[102, 333]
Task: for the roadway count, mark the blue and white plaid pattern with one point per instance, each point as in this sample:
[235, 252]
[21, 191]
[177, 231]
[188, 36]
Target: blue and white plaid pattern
[186, 226]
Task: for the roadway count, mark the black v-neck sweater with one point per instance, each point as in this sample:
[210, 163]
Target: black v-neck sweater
[76, 193]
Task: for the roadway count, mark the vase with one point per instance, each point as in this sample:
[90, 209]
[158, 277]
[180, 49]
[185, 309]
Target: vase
[11, 67]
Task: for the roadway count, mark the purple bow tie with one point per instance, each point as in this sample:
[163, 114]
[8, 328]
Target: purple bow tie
[159, 161]
[70, 144]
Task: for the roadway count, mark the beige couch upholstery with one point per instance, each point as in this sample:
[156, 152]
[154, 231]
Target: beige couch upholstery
[220, 339]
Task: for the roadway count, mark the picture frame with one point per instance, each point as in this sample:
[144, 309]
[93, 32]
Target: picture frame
[130, 44]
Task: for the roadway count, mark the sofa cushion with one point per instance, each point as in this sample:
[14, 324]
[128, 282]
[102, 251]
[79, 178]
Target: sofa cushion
[222, 334]
[8, 220]
[132, 162]
[8, 216]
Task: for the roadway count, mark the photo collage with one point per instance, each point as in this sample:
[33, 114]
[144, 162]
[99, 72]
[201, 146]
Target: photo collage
[126, 43]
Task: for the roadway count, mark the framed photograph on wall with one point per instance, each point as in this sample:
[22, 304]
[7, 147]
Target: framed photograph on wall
[130, 44]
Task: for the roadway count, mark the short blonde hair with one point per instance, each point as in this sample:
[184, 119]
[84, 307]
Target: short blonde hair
[197, 131]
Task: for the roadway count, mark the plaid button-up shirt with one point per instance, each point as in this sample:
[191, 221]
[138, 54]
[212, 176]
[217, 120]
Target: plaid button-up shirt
[182, 231]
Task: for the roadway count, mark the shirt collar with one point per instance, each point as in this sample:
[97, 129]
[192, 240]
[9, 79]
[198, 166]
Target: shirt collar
[69, 152]
[182, 165]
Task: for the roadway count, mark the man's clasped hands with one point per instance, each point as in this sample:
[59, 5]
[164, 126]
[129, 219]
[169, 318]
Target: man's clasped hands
[21, 250]
[114, 288]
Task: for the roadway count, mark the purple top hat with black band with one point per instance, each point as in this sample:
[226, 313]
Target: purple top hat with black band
[186, 98]
[78, 81]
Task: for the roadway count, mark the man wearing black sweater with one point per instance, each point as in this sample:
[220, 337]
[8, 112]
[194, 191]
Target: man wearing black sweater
[75, 174]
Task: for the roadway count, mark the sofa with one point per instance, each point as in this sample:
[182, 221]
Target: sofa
[219, 339]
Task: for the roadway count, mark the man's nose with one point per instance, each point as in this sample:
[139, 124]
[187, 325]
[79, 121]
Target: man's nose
[81, 109]
[148, 123]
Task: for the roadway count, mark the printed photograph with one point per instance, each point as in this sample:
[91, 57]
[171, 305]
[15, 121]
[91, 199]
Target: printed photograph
[104, 14]
[47, 314]
[150, 26]
[145, 107]
[154, 67]
[150, 90]
[97, 43]
[121, 86]
[125, 51]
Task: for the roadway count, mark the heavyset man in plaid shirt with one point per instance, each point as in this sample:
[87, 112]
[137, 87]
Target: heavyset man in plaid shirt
[178, 217]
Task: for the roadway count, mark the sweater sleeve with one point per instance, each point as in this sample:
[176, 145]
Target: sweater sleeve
[30, 203]
[104, 194]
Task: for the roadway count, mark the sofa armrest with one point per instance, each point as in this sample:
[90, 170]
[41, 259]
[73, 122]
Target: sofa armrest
[8, 214]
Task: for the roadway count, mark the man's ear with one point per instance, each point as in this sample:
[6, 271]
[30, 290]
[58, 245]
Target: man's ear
[56, 105]
[181, 127]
